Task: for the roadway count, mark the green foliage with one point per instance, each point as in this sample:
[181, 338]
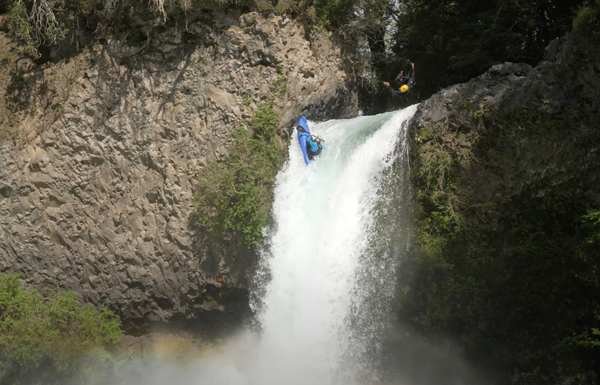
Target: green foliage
[264, 122]
[334, 13]
[34, 23]
[480, 113]
[587, 22]
[442, 153]
[280, 83]
[591, 221]
[247, 98]
[235, 196]
[466, 105]
[585, 339]
[286, 7]
[323, 22]
[19, 23]
[33, 329]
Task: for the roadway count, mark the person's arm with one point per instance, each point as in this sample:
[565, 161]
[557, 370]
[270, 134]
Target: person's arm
[302, 140]
[411, 71]
[393, 90]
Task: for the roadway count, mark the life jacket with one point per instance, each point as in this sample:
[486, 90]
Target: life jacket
[312, 148]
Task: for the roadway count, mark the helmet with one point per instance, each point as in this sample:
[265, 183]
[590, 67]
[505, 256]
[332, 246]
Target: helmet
[404, 88]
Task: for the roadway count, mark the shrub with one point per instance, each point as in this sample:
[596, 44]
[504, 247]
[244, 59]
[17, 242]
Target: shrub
[286, 6]
[33, 328]
[235, 196]
[587, 22]
[442, 153]
[38, 22]
[591, 222]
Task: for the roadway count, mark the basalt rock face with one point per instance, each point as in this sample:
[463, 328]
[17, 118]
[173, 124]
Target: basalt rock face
[97, 197]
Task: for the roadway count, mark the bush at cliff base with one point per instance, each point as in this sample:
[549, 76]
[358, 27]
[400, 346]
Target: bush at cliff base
[34, 329]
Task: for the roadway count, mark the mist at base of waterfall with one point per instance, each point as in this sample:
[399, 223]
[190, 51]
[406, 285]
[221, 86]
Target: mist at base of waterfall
[236, 361]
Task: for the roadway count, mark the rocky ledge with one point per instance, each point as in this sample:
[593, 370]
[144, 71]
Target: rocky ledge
[560, 98]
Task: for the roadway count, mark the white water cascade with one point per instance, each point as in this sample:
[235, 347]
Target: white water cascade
[326, 290]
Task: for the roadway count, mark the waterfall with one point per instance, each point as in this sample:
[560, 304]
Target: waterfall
[328, 273]
[329, 265]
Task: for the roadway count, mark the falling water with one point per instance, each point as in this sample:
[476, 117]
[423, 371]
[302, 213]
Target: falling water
[330, 259]
[329, 274]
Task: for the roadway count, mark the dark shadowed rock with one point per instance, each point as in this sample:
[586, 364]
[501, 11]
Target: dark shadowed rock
[506, 172]
[566, 78]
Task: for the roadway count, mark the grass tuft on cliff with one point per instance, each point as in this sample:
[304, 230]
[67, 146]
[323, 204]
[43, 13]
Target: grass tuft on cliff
[235, 196]
[587, 22]
[34, 329]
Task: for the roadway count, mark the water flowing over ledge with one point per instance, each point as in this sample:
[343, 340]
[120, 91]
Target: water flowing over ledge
[316, 312]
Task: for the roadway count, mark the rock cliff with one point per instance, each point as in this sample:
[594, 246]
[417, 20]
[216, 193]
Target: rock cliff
[98, 175]
[506, 167]
[540, 122]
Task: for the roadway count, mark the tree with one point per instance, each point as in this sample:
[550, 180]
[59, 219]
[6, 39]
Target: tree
[454, 41]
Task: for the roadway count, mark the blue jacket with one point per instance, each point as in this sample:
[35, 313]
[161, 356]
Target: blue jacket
[304, 137]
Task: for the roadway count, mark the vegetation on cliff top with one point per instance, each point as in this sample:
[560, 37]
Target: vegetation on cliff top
[587, 22]
[449, 41]
[34, 329]
[454, 41]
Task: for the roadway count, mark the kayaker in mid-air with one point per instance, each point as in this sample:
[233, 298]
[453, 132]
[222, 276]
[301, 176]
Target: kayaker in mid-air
[405, 80]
